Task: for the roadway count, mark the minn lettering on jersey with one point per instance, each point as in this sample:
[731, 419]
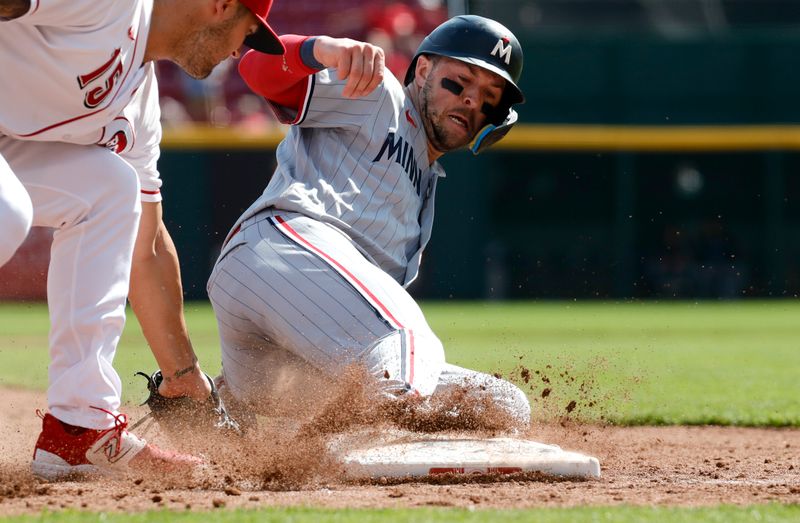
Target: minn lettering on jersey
[404, 154]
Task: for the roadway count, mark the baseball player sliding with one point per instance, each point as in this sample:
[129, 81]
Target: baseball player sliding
[79, 141]
[312, 277]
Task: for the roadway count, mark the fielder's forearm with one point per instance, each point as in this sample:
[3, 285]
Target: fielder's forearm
[11, 9]
[156, 296]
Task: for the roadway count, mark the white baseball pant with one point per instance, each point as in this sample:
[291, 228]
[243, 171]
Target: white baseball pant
[91, 197]
[295, 299]
[16, 212]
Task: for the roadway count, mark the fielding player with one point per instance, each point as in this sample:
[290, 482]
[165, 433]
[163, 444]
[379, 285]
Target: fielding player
[312, 277]
[79, 141]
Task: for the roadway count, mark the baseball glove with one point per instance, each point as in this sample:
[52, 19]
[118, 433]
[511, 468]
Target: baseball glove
[175, 415]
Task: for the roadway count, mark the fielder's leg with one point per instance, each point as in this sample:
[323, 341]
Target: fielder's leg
[16, 212]
[91, 197]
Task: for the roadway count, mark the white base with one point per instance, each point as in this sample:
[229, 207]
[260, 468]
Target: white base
[401, 457]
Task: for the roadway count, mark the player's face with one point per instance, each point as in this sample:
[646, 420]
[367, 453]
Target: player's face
[207, 46]
[456, 100]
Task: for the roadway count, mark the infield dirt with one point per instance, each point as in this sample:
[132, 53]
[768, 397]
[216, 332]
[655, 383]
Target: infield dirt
[679, 466]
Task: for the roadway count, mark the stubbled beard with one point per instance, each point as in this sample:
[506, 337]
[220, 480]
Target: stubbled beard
[441, 139]
[197, 53]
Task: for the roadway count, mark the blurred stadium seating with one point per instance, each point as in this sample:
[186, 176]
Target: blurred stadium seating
[224, 100]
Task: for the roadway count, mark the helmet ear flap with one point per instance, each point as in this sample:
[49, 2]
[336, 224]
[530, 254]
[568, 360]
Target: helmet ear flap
[500, 113]
[492, 133]
[499, 122]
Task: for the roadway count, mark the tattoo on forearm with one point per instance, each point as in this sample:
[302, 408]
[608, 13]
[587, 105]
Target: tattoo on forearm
[10, 9]
[179, 373]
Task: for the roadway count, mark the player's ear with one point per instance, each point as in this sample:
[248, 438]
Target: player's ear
[423, 70]
[224, 8]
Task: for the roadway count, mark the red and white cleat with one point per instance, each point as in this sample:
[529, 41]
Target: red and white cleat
[64, 452]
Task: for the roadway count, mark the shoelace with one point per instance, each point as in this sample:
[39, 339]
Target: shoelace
[120, 425]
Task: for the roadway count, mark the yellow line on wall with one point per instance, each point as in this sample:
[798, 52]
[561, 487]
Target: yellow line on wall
[653, 138]
[215, 138]
[545, 138]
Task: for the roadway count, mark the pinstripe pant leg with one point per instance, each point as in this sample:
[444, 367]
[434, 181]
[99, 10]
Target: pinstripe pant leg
[290, 283]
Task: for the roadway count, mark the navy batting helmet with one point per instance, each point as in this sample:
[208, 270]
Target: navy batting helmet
[490, 45]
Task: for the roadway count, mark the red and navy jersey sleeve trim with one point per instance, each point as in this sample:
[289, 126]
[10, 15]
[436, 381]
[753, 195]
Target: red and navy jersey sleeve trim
[301, 115]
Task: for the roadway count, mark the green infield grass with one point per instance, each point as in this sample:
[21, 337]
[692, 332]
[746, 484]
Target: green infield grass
[629, 363]
[723, 514]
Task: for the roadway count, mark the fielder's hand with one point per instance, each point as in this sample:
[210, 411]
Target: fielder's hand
[360, 63]
[176, 415]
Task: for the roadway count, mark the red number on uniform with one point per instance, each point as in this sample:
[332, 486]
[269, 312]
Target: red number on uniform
[112, 70]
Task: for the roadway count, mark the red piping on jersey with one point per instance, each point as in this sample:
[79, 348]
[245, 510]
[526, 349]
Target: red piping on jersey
[151, 192]
[231, 235]
[411, 120]
[38, 3]
[81, 117]
[301, 114]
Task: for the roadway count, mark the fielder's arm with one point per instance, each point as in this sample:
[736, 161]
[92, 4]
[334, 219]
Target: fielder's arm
[156, 296]
[11, 9]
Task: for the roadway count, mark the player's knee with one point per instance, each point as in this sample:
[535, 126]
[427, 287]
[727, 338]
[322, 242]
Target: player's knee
[120, 181]
[16, 217]
[428, 362]
[406, 360]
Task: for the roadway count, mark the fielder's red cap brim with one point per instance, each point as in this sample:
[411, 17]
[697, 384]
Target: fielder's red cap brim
[265, 39]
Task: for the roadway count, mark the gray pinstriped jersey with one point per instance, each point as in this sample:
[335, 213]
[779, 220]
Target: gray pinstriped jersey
[362, 166]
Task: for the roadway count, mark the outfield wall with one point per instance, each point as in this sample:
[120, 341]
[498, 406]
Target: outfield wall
[579, 212]
[594, 216]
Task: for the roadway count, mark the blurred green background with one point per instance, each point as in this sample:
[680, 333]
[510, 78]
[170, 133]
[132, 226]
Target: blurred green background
[628, 363]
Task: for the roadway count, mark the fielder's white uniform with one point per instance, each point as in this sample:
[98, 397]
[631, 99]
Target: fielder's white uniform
[79, 134]
[314, 272]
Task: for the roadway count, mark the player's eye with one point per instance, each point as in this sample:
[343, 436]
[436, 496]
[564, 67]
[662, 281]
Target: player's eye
[452, 86]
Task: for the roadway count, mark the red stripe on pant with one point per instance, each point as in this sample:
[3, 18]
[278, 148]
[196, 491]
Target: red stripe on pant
[358, 283]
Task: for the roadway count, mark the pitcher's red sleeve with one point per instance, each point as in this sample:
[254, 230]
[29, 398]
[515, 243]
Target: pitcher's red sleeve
[281, 79]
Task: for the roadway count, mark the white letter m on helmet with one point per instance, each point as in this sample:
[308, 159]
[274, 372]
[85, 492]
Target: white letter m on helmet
[503, 50]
